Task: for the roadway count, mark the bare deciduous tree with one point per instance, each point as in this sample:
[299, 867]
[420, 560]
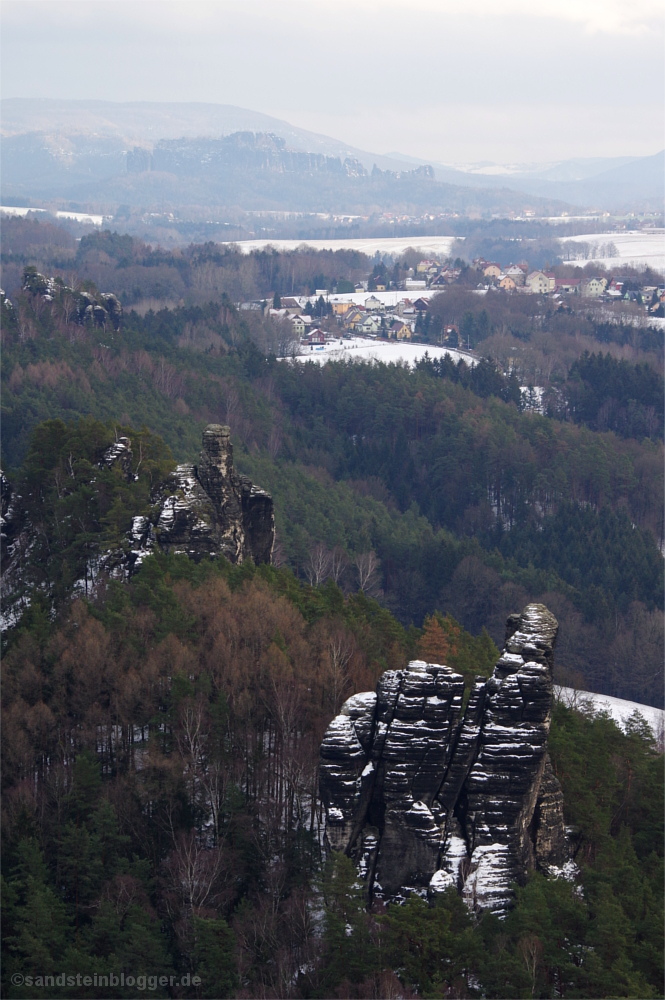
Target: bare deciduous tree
[278, 554]
[68, 306]
[26, 327]
[193, 876]
[340, 649]
[288, 344]
[274, 442]
[531, 950]
[318, 565]
[367, 565]
[339, 562]
[232, 403]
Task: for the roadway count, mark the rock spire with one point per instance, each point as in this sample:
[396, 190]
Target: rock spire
[423, 796]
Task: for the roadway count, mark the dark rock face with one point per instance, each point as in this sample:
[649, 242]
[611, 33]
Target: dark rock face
[210, 510]
[203, 512]
[422, 797]
[120, 453]
[7, 517]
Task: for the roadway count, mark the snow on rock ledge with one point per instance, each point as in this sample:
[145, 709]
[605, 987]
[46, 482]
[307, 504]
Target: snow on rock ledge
[423, 798]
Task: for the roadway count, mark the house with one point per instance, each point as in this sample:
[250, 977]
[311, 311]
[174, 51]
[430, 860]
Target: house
[508, 283]
[446, 277]
[379, 285]
[538, 283]
[399, 330]
[372, 303]
[516, 273]
[315, 337]
[451, 333]
[426, 265]
[340, 308]
[415, 283]
[354, 318]
[492, 270]
[421, 305]
[368, 325]
[292, 306]
[361, 286]
[593, 288]
[277, 313]
[567, 286]
[299, 326]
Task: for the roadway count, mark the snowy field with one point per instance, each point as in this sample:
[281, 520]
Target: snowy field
[619, 709]
[364, 349]
[646, 247]
[95, 220]
[436, 246]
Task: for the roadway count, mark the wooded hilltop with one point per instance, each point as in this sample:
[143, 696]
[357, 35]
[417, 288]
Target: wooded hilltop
[161, 813]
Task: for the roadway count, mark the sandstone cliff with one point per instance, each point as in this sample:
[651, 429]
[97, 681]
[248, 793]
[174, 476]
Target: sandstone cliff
[423, 796]
[203, 511]
[207, 510]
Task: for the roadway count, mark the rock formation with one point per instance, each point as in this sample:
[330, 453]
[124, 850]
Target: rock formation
[208, 510]
[202, 511]
[423, 796]
[104, 310]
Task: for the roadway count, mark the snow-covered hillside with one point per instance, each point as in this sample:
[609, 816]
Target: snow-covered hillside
[619, 709]
[638, 248]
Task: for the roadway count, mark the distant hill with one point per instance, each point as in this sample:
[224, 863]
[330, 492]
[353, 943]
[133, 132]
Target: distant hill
[247, 170]
[149, 153]
[605, 183]
[145, 123]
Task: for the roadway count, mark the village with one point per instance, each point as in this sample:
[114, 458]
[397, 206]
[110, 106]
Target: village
[379, 310]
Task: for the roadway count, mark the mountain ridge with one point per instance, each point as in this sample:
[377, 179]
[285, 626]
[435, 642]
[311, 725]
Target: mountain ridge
[42, 136]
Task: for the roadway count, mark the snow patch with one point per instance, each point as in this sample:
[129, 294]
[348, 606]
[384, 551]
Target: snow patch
[619, 709]
[440, 881]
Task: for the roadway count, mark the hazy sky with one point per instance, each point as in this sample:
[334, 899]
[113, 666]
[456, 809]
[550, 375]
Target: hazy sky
[448, 80]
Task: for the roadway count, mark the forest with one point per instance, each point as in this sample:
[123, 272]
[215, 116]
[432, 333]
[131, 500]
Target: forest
[161, 816]
[465, 502]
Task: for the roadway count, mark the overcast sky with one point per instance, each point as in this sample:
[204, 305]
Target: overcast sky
[450, 80]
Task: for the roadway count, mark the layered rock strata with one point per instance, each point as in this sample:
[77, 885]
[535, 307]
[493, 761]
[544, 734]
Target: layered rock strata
[209, 510]
[202, 511]
[423, 796]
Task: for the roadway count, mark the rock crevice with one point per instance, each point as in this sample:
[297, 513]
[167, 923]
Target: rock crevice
[423, 796]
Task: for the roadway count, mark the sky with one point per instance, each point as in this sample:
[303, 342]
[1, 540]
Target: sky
[449, 81]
